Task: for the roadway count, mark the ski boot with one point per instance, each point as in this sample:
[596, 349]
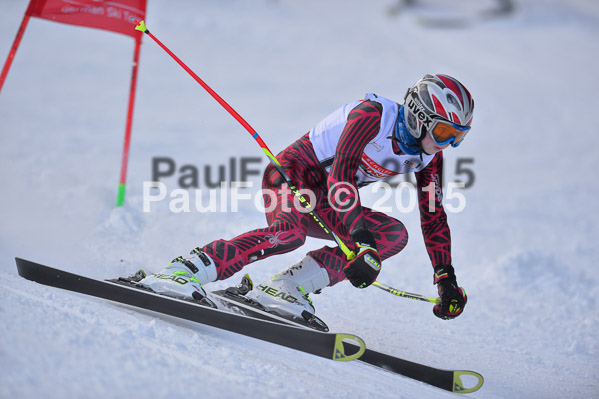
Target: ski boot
[183, 277]
[286, 293]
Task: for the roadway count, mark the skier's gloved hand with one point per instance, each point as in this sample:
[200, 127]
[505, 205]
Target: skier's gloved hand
[366, 266]
[453, 298]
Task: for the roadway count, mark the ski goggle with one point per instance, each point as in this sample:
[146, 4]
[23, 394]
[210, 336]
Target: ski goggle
[443, 132]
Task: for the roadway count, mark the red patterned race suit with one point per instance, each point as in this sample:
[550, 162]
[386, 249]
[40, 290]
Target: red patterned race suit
[288, 227]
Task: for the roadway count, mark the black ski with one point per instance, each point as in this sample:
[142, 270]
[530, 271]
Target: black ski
[449, 380]
[327, 345]
[262, 325]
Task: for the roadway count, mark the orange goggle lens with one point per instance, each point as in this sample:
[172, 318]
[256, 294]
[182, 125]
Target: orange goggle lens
[447, 132]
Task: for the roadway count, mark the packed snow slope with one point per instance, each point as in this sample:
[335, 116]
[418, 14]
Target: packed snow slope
[524, 246]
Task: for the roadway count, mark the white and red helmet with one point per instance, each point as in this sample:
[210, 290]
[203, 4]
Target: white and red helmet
[437, 97]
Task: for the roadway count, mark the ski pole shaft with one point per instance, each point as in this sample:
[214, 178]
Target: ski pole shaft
[405, 294]
[141, 26]
[349, 253]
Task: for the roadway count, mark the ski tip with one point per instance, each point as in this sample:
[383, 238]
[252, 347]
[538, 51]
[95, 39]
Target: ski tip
[458, 385]
[339, 351]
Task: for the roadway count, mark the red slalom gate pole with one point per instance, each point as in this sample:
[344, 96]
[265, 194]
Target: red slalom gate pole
[123, 179]
[15, 46]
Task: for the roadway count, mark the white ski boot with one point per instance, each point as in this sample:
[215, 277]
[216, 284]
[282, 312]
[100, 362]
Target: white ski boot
[287, 292]
[183, 278]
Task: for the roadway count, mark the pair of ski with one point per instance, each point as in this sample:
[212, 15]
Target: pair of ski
[261, 325]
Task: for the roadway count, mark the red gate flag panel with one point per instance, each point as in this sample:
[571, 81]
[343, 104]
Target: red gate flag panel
[112, 15]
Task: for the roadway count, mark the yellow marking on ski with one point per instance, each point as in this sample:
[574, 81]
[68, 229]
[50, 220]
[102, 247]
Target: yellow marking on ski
[458, 385]
[339, 351]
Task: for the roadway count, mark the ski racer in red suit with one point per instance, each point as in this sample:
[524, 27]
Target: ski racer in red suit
[343, 152]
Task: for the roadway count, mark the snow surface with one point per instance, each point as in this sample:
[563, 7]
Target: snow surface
[523, 247]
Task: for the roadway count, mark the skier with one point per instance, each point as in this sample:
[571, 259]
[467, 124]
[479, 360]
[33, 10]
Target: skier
[344, 151]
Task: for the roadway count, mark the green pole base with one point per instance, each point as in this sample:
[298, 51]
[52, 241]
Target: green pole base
[120, 199]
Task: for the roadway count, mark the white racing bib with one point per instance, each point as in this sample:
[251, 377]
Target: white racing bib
[378, 159]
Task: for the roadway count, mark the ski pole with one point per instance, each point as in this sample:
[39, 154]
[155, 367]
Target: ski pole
[141, 26]
[405, 294]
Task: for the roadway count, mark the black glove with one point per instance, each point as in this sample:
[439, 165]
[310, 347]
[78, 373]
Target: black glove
[366, 266]
[453, 298]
